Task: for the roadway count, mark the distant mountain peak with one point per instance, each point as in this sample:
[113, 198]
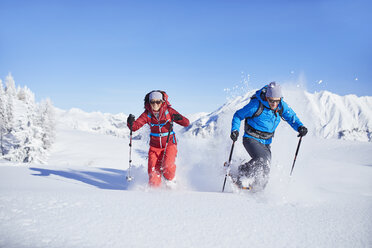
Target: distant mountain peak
[327, 115]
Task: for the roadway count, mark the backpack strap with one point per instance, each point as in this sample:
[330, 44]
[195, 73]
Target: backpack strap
[161, 134]
[257, 133]
[259, 109]
[280, 112]
[166, 113]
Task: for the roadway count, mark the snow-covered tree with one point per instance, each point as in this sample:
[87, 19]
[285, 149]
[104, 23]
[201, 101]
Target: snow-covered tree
[10, 92]
[10, 87]
[47, 123]
[2, 117]
[30, 129]
[27, 128]
[26, 95]
[32, 143]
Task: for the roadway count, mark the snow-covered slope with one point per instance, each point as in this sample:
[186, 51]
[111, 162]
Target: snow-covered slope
[80, 198]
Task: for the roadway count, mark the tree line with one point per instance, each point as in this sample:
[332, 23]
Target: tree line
[27, 128]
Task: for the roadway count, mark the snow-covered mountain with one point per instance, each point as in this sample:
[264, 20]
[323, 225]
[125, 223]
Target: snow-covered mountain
[103, 123]
[326, 115]
[333, 116]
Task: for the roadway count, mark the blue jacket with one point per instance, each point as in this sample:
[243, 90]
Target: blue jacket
[268, 120]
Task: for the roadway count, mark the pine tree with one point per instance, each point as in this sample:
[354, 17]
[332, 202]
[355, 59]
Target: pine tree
[10, 87]
[31, 131]
[47, 123]
[10, 92]
[9, 108]
[2, 118]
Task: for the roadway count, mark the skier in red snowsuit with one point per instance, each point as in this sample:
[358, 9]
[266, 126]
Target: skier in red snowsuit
[159, 115]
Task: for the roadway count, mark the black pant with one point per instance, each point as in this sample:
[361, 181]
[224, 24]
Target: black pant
[259, 165]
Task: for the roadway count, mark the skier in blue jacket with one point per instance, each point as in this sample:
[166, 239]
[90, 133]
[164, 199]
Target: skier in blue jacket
[262, 116]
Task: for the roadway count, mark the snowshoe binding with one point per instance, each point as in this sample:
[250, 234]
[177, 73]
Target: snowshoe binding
[240, 183]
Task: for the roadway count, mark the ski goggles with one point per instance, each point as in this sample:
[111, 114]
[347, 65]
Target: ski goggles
[273, 101]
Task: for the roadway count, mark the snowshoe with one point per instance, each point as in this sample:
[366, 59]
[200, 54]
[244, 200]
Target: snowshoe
[254, 175]
[241, 184]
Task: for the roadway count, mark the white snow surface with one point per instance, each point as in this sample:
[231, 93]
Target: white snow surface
[80, 198]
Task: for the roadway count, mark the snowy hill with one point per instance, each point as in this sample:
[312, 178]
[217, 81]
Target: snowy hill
[80, 197]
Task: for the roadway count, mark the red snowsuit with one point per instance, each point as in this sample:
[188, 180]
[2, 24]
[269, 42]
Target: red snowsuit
[158, 137]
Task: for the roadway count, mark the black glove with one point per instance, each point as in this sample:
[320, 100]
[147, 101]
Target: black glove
[177, 117]
[234, 135]
[130, 119]
[302, 131]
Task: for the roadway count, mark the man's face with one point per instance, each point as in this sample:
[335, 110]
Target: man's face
[273, 102]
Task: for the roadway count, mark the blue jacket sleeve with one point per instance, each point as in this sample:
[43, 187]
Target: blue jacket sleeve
[247, 111]
[290, 116]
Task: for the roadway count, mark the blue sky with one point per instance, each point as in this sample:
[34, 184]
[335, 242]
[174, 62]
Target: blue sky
[106, 55]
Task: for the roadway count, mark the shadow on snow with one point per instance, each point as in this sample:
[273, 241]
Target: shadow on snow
[107, 179]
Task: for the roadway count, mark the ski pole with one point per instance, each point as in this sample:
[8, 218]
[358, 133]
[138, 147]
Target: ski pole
[129, 177]
[294, 161]
[231, 152]
[166, 144]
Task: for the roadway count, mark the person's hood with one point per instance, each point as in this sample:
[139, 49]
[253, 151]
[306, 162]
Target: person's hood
[261, 96]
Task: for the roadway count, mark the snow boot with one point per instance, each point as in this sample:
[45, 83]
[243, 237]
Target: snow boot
[170, 184]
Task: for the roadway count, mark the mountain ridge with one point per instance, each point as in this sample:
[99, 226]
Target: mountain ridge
[325, 114]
